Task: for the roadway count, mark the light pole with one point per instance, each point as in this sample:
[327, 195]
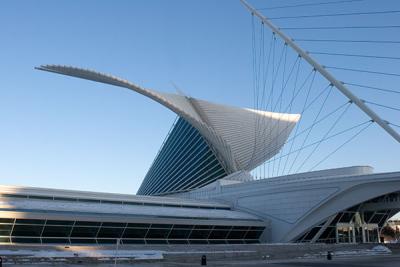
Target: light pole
[116, 251]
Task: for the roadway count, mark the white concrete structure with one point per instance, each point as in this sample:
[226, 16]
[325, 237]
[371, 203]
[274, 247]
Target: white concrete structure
[244, 138]
[295, 204]
[208, 194]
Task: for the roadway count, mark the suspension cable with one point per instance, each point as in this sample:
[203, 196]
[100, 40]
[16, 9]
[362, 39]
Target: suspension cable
[323, 138]
[353, 55]
[340, 27]
[329, 137]
[364, 71]
[381, 105]
[313, 124]
[317, 97]
[373, 87]
[304, 105]
[397, 125]
[320, 120]
[290, 106]
[338, 14]
[347, 41]
[342, 145]
[284, 84]
[310, 4]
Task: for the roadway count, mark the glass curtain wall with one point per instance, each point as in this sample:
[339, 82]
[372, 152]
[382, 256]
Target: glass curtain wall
[83, 232]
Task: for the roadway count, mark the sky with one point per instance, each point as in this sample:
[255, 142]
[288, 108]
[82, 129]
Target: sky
[63, 132]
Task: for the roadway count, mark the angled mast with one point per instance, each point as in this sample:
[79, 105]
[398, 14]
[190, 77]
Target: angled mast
[318, 67]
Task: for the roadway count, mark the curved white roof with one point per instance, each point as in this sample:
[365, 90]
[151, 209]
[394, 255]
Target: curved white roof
[243, 138]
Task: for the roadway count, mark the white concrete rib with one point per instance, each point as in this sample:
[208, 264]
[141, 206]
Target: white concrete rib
[243, 138]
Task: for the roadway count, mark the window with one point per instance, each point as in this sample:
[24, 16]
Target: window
[27, 230]
[5, 229]
[84, 231]
[135, 233]
[29, 221]
[179, 234]
[158, 233]
[199, 234]
[110, 232]
[56, 231]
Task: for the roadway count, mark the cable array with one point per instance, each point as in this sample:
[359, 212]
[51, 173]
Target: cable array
[283, 83]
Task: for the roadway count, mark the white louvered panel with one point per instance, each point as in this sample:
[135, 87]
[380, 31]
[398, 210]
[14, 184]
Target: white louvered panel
[253, 136]
[243, 138]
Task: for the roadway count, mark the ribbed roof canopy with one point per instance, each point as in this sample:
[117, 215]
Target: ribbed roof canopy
[244, 138]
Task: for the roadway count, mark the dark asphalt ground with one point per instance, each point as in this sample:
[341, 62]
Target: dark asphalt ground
[364, 261]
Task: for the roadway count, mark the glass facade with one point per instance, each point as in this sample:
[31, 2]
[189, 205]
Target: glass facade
[84, 232]
[349, 226]
[184, 162]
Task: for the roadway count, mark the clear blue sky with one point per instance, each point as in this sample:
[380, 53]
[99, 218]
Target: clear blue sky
[61, 132]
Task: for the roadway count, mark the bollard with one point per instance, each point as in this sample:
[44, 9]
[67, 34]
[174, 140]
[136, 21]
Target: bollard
[329, 255]
[204, 260]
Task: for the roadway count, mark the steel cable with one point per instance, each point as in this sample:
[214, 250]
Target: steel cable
[342, 145]
[310, 4]
[347, 41]
[340, 27]
[363, 71]
[339, 14]
[353, 55]
[380, 105]
[372, 87]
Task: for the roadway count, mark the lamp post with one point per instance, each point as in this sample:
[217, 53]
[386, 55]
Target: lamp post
[116, 252]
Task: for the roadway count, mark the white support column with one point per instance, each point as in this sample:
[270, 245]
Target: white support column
[337, 234]
[339, 85]
[378, 235]
[364, 239]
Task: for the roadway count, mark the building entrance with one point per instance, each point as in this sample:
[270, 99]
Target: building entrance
[351, 233]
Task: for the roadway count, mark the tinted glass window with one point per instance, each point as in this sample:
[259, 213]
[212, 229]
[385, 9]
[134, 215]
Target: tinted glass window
[27, 230]
[84, 231]
[5, 220]
[236, 234]
[218, 234]
[29, 221]
[181, 226]
[168, 226]
[157, 233]
[57, 231]
[199, 234]
[253, 234]
[110, 232]
[179, 234]
[203, 227]
[55, 222]
[135, 233]
[139, 225]
[82, 223]
[112, 224]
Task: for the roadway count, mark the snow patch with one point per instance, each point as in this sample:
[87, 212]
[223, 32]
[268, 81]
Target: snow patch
[136, 254]
[377, 250]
